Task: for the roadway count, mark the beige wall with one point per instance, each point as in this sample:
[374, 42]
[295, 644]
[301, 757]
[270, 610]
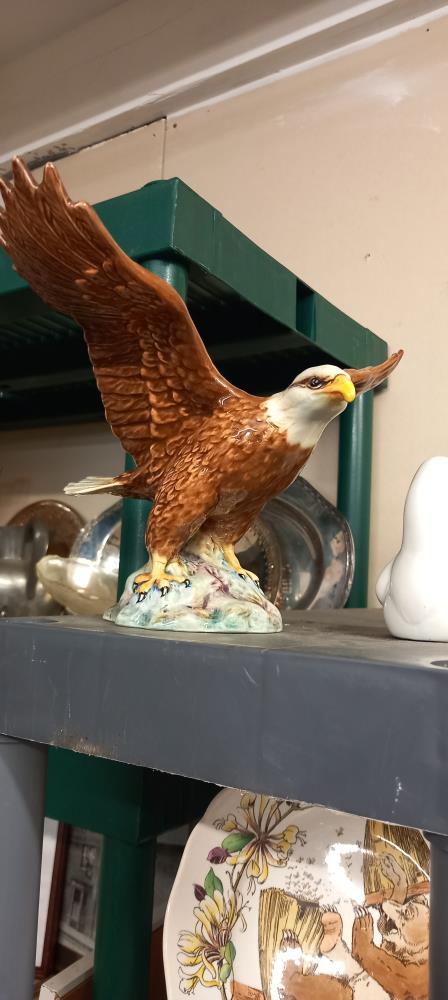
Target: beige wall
[339, 172]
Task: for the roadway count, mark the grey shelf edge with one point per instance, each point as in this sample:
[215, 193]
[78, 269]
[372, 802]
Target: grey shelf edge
[331, 711]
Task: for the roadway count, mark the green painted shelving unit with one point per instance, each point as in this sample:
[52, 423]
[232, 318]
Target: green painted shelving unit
[262, 325]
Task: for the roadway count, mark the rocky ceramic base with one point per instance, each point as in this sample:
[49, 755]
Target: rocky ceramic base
[217, 600]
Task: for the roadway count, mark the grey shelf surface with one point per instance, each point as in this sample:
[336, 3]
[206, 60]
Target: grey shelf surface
[332, 710]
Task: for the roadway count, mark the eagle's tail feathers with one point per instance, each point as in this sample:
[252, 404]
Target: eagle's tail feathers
[92, 484]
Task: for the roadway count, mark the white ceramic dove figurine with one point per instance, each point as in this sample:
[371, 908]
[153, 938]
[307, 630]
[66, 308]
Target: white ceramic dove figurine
[413, 588]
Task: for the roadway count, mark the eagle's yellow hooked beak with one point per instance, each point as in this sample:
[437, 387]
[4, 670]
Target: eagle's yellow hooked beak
[343, 386]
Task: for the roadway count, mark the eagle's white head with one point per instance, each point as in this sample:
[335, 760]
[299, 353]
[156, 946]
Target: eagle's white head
[304, 409]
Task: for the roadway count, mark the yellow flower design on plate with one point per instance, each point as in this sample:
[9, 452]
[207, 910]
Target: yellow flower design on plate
[255, 841]
[206, 954]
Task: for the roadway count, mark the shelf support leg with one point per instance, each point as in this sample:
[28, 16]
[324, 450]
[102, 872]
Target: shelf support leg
[123, 937]
[133, 552]
[438, 922]
[354, 486]
[22, 805]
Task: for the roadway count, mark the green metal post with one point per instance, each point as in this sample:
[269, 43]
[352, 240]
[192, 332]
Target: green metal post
[124, 923]
[122, 946]
[133, 552]
[355, 472]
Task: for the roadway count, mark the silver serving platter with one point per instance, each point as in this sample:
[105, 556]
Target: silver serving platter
[302, 550]
[300, 547]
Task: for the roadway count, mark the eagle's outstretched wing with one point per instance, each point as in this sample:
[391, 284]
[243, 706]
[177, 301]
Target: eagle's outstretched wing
[152, 369]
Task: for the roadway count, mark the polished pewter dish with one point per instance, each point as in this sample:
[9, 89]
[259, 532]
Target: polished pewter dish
[302, 550]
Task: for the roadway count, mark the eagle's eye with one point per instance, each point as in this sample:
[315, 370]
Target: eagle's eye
[315, 382]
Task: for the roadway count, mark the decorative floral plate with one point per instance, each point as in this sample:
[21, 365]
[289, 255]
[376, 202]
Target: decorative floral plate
[284, 901]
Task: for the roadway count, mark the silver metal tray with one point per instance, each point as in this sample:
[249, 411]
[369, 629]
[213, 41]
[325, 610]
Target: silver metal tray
[302, 550]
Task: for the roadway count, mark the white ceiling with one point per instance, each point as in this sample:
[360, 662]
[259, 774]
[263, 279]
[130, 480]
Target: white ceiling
[28, 24]
[72, 73]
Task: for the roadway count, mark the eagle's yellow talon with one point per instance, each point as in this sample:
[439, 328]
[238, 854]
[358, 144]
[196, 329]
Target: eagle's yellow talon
[247, 575]
[233, 561]
[144, 582]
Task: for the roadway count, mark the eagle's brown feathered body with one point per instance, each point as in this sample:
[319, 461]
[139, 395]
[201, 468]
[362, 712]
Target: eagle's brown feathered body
[204, 450]
[229, 468]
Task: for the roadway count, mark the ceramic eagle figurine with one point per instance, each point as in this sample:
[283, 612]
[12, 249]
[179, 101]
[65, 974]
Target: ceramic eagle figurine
[208, 454]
